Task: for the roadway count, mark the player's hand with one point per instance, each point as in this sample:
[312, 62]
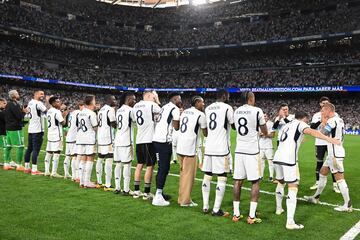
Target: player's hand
[181, 110]
[335, 141]
[26, 109]
[47, 97]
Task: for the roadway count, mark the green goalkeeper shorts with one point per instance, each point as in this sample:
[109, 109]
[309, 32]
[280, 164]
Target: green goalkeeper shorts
[14, 138]
[2, 141]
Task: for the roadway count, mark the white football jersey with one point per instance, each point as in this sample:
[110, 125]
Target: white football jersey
[247, 121]
[317, 118]
[265, 142]
[164, 127]
[36, 116]
[72, 126]
[290, 141]
[283, 123]
[191, 121]
[87, 122]
[144, 115]
[219, 117]
[336, 127]
[54, 120]
[105, 132]
[124, 134]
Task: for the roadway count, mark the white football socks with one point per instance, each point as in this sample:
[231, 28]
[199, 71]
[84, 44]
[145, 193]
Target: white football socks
[88, 171]
[279, 194]
[117, 173]
[344, 191]
[220, 192]
[27, 165]
[74, 168]
[321, 185]
[47, 161]
[82, 172]
[236, 205]
[34, 168]
[291, 205]
[205, 188]
[99, 169]
[127, 176]
[66, 166]
[252, 212]
[108, 172]
[78, 158]
[271, 168]
[55, 163]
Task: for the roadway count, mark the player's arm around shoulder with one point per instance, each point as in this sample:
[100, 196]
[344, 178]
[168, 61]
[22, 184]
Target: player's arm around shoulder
[318, 134]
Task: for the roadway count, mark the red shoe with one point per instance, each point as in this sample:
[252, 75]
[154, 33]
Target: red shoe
[20, 168]
[82, 186]
[8, 167]
[36, 173]
[27, 170]
[77, 180]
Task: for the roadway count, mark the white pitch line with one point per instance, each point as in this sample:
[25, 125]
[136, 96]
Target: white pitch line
[248, 189]
[352, 233]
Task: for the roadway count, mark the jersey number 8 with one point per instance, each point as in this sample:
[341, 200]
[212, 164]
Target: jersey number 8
[183, 126]
[243, 130]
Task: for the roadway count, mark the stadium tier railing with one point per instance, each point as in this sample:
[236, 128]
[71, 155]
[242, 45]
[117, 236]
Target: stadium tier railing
[198, 90]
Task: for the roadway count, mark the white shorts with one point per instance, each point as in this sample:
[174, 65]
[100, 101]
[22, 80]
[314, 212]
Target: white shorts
[124, 154]
[289, 174]
[105, 149]
[336, 165]
[247, 167]
[266, 154]
[70, 149]
[85, 149]
[216, 164]
[54, 146]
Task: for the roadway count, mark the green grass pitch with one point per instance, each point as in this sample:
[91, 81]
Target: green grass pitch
[37, 207]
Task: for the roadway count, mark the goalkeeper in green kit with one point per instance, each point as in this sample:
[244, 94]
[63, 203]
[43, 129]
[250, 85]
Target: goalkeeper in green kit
[14, 116]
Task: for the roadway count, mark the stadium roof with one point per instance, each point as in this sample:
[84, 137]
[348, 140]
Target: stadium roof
[163, 3]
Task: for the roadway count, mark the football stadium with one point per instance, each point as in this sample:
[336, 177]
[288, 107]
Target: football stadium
[179, 119]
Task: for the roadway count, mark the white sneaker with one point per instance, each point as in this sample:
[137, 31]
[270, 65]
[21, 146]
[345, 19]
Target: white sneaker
[294, 226]
[279, 211]
[56, 175]
[311, 199]
[148, 196]
[159, 201]
[336, 188]
[344, 209]
[191, 204]
[315, 186]
[13, 164]
[137, 194]
[67, 176]
[47, 174]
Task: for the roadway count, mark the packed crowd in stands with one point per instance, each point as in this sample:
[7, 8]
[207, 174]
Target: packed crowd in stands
[341, 19]
[92, 10]
[334, 76]
[345, 106]
[336, 67]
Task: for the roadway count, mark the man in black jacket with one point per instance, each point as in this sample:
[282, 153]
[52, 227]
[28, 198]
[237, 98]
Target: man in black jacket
[2, 125]
[14, 116]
